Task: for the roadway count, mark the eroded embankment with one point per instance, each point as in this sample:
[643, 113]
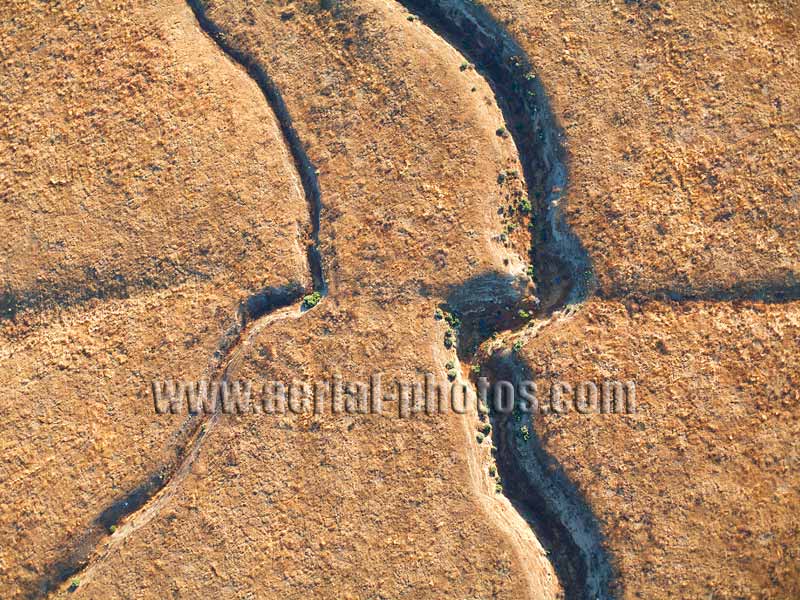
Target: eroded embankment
[139, 505]
[532, 479]
[563, 266]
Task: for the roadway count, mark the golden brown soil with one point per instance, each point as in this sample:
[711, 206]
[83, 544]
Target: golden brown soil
[680, 121]
[697, 493]
[356, 506]
[134, 158]
[146, 190]
[681, 126]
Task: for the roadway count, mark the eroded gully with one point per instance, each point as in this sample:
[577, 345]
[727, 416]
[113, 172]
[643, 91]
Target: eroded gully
[534, 483]
[136, 508]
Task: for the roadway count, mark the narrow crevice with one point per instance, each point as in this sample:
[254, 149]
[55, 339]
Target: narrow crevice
[305, 168]
[544, 495]
[76, 290]
[775, 291]
[186, 442]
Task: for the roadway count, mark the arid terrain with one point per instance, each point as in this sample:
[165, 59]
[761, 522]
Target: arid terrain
[298, 191]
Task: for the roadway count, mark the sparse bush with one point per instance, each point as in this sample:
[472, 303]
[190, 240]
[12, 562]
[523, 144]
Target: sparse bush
[501, 132]
[311, 300]
[480, 438]
[453, 320]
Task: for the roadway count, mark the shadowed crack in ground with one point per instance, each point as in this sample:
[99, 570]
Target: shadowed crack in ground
[260, 309]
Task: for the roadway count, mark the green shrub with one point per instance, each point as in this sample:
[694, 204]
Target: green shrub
[311, 300]
[452, 320]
